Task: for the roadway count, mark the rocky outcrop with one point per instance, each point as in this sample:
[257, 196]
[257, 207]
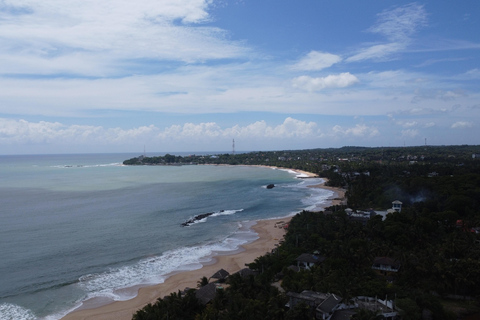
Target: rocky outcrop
[197, 218]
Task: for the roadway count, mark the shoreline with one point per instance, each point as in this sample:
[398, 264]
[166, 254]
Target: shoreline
[339, 193]
[269, 234]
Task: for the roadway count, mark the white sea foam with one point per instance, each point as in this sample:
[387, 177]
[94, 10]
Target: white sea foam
[154, 270]
[296, 173]
[317, 200]
[70, 166]
[302, 175]
[10, 311]
[216, 214]
[290, 171]
[225, 212]
[199, 221]
[318, 197]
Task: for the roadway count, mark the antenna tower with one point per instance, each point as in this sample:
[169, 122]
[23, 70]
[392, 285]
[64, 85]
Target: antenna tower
[233, 147]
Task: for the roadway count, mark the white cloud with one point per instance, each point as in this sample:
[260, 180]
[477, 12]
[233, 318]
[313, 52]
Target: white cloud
[410, 133]
[341, 80]
[192, 131]
[462, 124]
[445, 95]
[430, 62]
[315, 61]
[410, 124]
[293, 128]
[55, 37]
[228, 89]
[397, 25]
[400, 23]
[379, 51]
[395, 79]
[290, 128]
[190, 89]
[471, 74]
[25, 132]
[360, 130]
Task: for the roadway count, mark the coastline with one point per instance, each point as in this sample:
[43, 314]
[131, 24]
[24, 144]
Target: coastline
[269, 234]
[339, 193]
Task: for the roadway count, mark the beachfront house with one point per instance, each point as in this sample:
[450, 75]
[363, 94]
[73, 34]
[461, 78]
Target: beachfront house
[307, 260]
[208, 292]
[397, 206]
[310, 298]
[220, 276]
[321, 305]
[246, 272]
[386, 266]
[328, 306]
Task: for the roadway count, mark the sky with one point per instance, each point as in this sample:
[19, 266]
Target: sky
[80, 76]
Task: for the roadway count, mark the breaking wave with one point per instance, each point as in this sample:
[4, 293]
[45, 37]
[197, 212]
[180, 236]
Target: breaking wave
[10, 311]
[156, 269]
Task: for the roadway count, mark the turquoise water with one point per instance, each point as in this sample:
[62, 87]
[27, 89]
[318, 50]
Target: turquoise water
[76, 227]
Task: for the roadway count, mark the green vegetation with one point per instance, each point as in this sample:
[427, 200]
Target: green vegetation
[433, 238]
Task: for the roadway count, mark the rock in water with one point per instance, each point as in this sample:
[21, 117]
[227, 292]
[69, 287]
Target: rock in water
[196, 218]
[270, 186]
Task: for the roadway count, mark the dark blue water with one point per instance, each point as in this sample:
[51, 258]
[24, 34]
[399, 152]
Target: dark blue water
[75, 227]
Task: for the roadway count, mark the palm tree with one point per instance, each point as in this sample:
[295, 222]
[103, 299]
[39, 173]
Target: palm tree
[202, 282]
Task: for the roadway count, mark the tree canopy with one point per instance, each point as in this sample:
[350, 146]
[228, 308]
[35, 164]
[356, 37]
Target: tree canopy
[434, 238]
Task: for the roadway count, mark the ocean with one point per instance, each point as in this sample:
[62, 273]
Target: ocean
[80, 227]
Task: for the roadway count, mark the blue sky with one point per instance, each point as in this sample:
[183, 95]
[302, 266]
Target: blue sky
[191, 75]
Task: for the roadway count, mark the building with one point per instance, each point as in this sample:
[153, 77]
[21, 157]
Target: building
[322, 305]
[386, 266]
[310, 298]
[220, 275]
[327, 306]
[307, 261]
[397, 206]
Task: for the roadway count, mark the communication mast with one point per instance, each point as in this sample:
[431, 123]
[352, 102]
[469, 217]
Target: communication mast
[233, 147]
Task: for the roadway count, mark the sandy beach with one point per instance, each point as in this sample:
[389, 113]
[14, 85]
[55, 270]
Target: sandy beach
[269, 233]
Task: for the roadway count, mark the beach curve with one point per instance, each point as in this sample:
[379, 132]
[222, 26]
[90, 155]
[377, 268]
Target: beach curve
[269, 234]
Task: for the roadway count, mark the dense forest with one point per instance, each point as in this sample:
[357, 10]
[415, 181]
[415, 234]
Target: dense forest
[434, 238]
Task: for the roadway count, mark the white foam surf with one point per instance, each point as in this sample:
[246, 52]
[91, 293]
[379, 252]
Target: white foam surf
[10, 311]
[155, 269]
[77, 166]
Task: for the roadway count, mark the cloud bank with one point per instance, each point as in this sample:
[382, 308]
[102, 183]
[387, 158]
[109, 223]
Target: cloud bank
[106, 38]
[129, 74]
[24, 132]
